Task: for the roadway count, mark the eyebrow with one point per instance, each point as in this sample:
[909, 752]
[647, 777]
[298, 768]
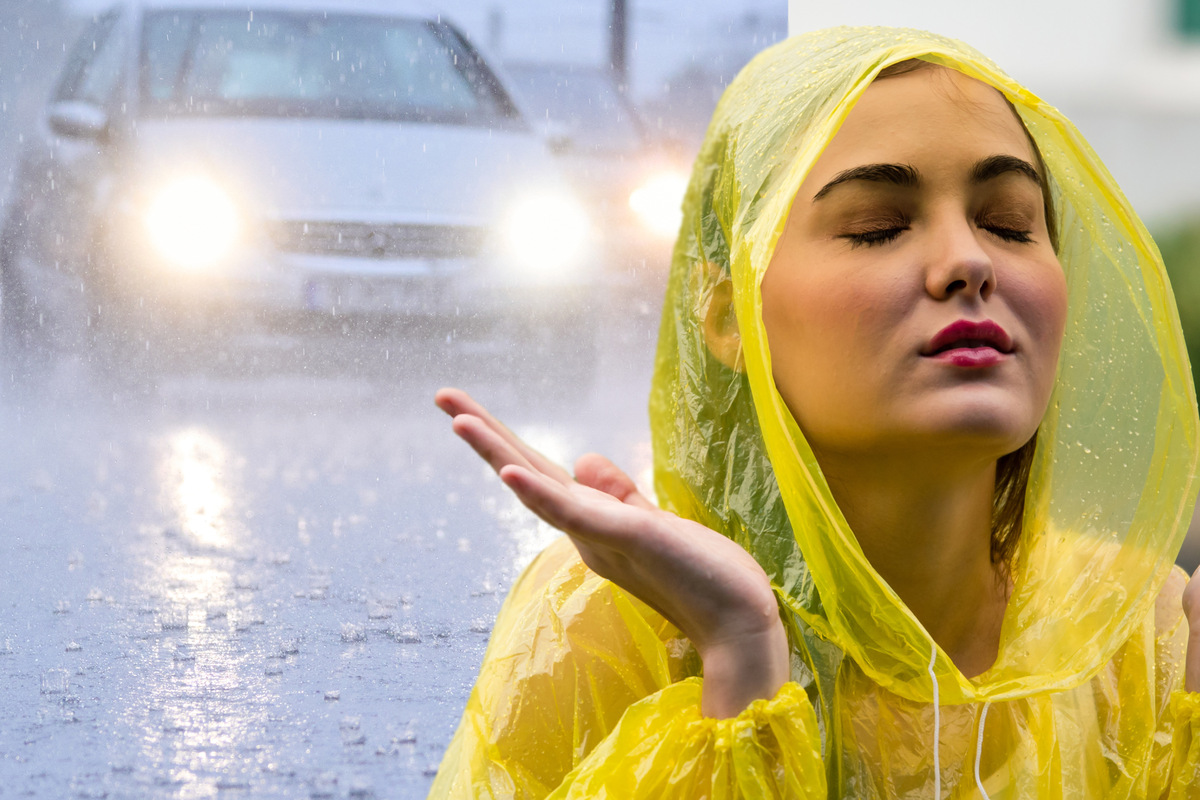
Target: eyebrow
[898, 174]
[906, 175]
[994, 166]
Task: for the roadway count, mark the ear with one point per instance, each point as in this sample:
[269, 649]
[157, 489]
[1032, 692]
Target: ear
[720, 324]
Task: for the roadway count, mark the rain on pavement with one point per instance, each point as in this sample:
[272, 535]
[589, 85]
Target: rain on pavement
[268, 575]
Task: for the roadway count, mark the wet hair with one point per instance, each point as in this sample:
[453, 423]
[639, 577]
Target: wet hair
[1012, 470]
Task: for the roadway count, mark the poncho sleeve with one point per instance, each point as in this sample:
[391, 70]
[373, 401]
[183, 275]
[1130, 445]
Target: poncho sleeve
[585, 690]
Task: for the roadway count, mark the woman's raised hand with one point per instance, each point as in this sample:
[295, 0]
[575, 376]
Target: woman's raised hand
[705, 584]
[1191, 610]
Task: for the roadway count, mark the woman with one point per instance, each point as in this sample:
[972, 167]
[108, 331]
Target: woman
[925, 445]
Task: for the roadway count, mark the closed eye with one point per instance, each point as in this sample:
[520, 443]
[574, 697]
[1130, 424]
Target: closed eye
[1009, 234]
[873, 237]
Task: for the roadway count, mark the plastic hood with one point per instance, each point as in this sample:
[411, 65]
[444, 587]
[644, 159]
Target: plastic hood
[1113, 482]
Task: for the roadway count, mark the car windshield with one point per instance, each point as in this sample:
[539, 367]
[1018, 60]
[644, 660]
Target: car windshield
[582, 99]
[278, 64]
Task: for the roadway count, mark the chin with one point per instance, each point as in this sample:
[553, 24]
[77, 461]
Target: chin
[993, 435]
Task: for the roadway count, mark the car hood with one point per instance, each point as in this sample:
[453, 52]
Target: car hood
[349, 169]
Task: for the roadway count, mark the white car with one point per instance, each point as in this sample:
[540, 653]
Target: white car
[201, 163]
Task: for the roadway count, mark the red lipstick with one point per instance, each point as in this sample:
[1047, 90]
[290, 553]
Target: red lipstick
[970, 344]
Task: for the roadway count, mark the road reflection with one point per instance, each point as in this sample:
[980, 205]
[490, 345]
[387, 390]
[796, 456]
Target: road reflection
[193, 473]
[201, 714]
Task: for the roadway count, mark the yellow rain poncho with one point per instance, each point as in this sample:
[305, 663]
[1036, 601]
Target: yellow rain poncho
[586, 692]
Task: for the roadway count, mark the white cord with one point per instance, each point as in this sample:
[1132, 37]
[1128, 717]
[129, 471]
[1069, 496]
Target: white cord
[937, 726]
[979, 750]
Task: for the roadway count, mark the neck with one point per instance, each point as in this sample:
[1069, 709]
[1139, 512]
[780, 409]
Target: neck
[927, 531]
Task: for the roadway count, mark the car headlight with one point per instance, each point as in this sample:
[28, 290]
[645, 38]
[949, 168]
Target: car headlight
[547, 232]
[657, 202]
[192, 223]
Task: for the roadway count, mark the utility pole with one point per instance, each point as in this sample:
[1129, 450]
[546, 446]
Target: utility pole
[618, 50]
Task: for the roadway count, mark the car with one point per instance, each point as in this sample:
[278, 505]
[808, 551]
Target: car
[632, 182]
[206, 167]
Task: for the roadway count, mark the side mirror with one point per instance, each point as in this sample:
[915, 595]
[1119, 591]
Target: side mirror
[77, 120]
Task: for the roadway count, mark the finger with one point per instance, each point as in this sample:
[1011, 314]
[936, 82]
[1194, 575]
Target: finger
[599, 473]
[456, 402]
[488, 444]
[595, 519]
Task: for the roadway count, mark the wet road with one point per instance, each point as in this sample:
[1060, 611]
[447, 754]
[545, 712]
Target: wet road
[267, 586]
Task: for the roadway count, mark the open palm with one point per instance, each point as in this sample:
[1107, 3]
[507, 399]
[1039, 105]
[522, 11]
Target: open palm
[704, 583]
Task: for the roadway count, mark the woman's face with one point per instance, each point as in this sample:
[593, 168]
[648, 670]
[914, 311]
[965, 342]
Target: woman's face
[914, 299]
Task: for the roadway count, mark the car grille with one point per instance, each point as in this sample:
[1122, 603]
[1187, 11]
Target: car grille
[366, 240]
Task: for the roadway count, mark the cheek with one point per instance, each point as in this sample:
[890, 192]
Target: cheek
[828, 332]
[1041, 301]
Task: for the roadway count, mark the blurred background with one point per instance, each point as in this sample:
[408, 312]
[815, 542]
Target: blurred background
[242, 247]
[239, 251]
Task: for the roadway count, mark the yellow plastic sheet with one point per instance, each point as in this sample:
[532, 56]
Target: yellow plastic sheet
[580, 692]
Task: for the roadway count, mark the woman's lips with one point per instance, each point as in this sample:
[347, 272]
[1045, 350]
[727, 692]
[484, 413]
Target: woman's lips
[970, 356]
[966, 343]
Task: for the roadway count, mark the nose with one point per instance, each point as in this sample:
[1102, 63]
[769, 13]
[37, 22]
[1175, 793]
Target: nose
[960, 264]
